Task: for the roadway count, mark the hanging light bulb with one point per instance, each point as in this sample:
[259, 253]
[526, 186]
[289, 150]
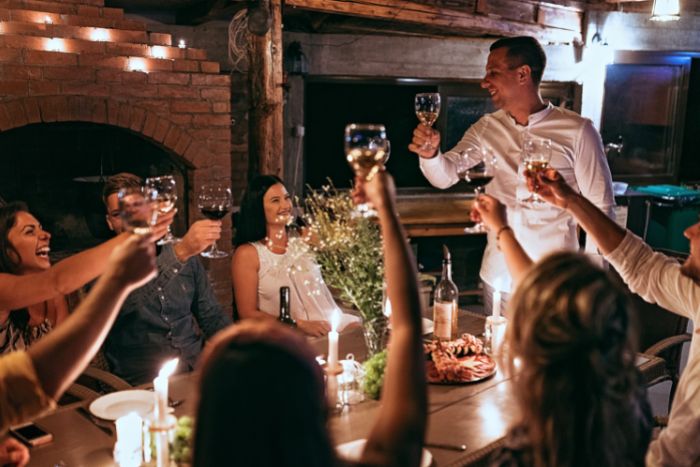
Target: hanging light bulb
[666, 10]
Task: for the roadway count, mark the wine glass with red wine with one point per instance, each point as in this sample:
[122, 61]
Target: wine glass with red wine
[214, 202]
[477, 166]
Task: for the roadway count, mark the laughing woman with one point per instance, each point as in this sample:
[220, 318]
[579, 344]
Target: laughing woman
[263, 262]
[31, 290]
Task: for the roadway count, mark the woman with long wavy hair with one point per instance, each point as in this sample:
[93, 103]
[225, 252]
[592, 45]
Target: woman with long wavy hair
[576, 386]
[31, 289]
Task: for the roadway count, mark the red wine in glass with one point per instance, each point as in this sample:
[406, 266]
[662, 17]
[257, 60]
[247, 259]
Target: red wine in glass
[214, 213]
[214, 202]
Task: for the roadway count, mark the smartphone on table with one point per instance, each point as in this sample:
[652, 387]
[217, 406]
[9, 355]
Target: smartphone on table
[31, 434]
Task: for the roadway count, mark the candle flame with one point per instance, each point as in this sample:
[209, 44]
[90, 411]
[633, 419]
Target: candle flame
[387, 307]
[169, 368]
[335, 321]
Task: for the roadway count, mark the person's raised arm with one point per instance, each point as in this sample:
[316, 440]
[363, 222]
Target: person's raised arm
[62, 355]
[397, 435]
[552, 187]
[67, 275]
[493, 214]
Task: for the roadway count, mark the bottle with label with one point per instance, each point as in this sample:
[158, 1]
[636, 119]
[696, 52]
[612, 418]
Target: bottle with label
[285, 312]
[445, 304]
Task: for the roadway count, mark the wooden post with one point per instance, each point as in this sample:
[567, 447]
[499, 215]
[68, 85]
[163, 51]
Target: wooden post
[266, 96]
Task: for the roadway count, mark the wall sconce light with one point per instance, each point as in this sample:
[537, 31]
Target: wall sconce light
[54, 45]
[99, 35]
[295, 62]
[182, 44]
[158, 52]
[137, 64]
[666, 10]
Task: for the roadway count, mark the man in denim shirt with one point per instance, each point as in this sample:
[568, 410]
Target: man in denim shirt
[172, 315]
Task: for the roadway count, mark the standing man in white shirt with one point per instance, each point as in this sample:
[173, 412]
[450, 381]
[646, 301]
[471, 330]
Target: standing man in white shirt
[513, 73]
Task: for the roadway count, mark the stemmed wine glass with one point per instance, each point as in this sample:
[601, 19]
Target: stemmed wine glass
[214, 202]
[537, 152]
[427, 106]
[477, 166]
[167, 196]
[366, 150]
[137, 208]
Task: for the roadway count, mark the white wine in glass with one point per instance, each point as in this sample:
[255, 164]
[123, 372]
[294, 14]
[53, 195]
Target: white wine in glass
[427, 106]
[537, 153]
[366, 150]
[167, 197]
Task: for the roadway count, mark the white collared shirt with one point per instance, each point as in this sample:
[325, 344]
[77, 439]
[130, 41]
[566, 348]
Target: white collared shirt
[577, 154]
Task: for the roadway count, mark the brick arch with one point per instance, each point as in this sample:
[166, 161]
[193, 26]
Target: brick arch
[160, 130]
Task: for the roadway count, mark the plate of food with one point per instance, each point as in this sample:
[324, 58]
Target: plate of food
[458, 361]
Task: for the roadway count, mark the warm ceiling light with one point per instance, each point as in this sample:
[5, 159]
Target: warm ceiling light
[55, 45]
[158, 52]
[137, 64]
[666, 10]
[99, 35]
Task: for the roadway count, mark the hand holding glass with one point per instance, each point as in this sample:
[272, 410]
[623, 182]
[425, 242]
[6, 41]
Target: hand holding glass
[138, 209]
[537, 152]
[366, 150]
[476, 166]
[427, 107]
[166, 188]
[214, 202]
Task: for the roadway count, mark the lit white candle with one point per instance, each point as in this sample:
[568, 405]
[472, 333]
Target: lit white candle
[333, 342]
[127, 450]
[496, 311]
[160, 387]
[387, 307]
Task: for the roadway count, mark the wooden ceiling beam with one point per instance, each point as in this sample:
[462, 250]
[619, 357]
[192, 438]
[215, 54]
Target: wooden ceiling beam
[431, 16]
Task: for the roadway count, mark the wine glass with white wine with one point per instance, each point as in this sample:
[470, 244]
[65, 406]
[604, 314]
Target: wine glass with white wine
[366, 150]
[167, 196]
[537, 152]
[427, 106]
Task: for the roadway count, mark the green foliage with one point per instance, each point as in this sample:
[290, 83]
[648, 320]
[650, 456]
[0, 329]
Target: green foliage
[181, 447]
[348, 248]
[374, 374]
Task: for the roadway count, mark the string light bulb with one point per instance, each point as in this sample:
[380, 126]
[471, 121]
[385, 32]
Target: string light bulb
[99, 35]
[55, 45]
[182, 44]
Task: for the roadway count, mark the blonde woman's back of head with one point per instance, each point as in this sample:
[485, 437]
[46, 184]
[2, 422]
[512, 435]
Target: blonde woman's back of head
[577, 387]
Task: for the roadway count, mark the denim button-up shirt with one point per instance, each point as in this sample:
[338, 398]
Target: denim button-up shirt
[166, 318]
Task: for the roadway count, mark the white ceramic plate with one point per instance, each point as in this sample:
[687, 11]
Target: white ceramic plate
[114, 405]
[353, 450]
[428, 326]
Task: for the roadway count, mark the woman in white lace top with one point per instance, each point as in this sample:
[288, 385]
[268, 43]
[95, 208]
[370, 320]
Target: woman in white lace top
[266, 258]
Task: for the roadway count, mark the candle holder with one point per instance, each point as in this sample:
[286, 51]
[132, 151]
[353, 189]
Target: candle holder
[158, 434]
[494, 334]
[350, 381]
[128, 448]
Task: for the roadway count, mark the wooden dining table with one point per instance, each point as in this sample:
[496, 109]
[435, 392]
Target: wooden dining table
[475, 414]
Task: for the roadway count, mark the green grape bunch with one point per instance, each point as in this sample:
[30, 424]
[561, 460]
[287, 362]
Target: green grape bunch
[181, 446]
[374, 375]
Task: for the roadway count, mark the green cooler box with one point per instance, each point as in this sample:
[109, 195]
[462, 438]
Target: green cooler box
[670, 210]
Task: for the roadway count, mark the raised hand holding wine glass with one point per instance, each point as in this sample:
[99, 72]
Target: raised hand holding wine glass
[214, 202]
[477, 167]
[427, 107]
[366, 150]
[166, 188]
[537, 152]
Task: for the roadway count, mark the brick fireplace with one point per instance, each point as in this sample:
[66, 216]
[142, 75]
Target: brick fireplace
[79, 61]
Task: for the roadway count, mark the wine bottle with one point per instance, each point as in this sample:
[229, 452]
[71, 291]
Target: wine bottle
[285, 313]
[445, 304]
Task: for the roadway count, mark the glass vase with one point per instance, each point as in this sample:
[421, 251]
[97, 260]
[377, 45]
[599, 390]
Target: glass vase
[375, 332]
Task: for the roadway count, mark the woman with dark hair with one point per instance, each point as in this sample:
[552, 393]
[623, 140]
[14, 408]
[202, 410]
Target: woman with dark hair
[265, 260]
[31, 290]
[262, 397]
